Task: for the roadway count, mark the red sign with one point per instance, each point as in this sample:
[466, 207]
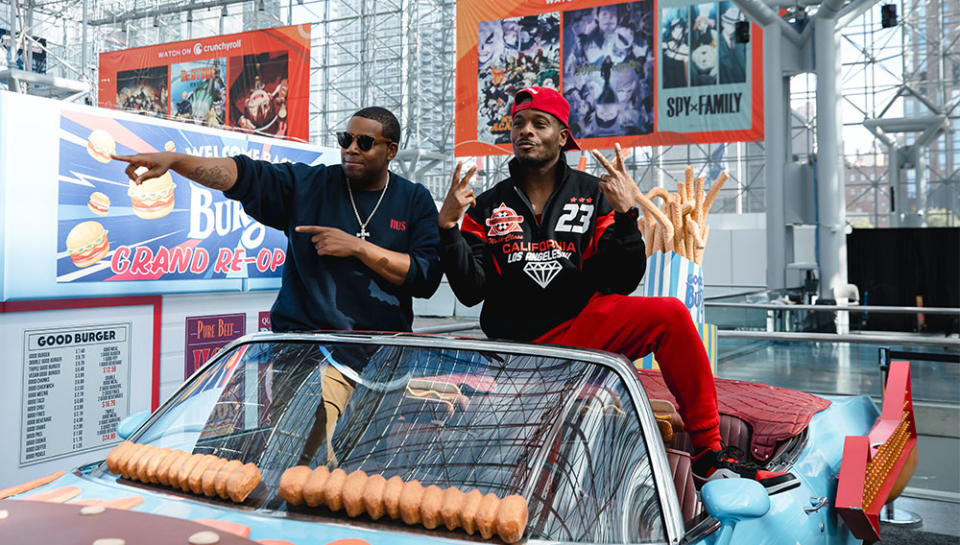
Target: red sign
[256, 81]
[263, 321]
[206, 335]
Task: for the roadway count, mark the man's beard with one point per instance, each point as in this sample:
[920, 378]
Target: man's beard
[535, 162]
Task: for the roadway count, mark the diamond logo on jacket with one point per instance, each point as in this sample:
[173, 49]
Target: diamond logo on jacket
[504, 220]
[542, 272]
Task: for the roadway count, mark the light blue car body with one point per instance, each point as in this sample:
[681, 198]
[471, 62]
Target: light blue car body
[798, 516]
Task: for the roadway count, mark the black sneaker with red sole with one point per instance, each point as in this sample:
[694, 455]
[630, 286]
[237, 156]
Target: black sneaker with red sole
[729, 463]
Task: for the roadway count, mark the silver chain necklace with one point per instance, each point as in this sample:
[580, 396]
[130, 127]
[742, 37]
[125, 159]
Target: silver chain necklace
[363, 234]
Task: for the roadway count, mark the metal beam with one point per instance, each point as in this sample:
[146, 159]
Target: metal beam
[44, 79]
[162, 10]
[831, 201]
[766, 17]
[853, 10]
[776, 143]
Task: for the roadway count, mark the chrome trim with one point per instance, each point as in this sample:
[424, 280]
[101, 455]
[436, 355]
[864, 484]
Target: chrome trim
[816, 503]
[448, 328]
[663, 477]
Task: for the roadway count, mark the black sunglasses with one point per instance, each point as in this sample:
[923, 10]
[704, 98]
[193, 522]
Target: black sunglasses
[364, 141]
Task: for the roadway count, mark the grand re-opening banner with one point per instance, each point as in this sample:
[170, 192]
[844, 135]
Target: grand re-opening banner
[256, 81]
[648, 72]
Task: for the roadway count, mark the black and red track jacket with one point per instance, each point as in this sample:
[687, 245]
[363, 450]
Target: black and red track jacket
[534, 275]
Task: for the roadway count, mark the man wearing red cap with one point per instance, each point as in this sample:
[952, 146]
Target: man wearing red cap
[554, 252]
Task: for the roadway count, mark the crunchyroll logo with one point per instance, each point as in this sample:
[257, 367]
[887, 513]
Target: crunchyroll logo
[197, 49]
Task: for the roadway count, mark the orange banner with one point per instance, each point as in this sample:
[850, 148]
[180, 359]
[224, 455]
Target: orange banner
[256, 81]
[641, 73]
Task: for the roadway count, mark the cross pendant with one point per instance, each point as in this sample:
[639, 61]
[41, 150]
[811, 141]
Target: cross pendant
[363, 234]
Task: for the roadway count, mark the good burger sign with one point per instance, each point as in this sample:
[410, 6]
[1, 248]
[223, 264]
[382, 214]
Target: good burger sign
[211, 215]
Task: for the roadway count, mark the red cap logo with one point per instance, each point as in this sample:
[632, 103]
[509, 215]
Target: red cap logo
[547, 100]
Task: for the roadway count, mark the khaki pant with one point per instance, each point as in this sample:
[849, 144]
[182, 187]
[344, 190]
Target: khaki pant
[336, 391]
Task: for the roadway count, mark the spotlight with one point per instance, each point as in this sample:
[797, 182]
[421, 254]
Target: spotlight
[156, 21]
[189, 16]
[741, 32]
[260, 5]
[888, 15]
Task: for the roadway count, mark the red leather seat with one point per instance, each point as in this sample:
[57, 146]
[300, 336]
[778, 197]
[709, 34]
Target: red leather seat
[734, 432]
[682, 471]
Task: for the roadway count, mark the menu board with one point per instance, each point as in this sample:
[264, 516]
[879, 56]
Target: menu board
[75, 389]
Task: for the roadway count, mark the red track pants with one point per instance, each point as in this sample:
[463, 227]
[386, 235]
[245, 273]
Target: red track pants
[636, 326]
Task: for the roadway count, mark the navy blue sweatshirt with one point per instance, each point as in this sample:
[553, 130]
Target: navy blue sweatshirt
[325, 292]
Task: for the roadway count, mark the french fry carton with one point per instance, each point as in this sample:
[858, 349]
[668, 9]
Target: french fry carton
[671, 275]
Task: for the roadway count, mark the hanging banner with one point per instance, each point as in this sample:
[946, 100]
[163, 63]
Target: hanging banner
[651, 72]
[257, 81]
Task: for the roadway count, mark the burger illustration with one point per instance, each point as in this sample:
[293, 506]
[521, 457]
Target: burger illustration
[87, 243]
[153, 198]
[100, 145]
[99, 203]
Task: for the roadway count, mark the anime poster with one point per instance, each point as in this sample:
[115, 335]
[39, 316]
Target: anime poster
[199, 92]
[257, 82]
[143, 91]
[258, 92]
[608, 76]
[640, 73]
[704, 73]
[513, 53]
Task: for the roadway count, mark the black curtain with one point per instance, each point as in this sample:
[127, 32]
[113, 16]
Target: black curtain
[894, 266]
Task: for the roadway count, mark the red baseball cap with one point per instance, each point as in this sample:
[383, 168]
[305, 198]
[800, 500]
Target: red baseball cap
[546, 100]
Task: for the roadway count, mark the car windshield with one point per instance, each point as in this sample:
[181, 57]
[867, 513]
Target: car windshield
[561, 432]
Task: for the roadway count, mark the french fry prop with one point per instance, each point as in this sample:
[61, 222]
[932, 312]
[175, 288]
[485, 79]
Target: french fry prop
[674, 227]
[680, 219]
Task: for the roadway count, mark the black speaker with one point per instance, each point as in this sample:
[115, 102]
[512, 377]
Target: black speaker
[888, 15]
[741, 32]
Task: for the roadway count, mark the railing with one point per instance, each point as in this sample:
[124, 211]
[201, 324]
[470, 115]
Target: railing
[904, 340]
[834, 308]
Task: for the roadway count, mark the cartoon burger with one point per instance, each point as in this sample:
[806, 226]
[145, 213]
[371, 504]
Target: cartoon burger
[87, 243]
[153, 198]
[100, 145]
[99, 203]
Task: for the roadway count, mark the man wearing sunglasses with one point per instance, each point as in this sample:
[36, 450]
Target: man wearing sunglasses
[554, 254]
[361, 241]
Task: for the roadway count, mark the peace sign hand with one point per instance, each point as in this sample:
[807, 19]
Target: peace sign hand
[459, 197]
[616, 184]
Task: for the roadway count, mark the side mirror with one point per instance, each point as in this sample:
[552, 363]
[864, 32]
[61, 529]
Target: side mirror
[733, 500]
[132, 423]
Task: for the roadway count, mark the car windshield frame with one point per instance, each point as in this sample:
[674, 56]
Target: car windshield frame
[662, 476]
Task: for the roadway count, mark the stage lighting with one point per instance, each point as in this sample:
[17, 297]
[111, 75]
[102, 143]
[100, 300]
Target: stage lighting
[189, 16]
[888, 15]
[741, 32]
[156, 21]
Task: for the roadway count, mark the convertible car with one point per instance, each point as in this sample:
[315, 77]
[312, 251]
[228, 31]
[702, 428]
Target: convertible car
[351, 439]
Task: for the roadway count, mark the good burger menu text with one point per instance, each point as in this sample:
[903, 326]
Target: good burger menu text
[75, 390]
